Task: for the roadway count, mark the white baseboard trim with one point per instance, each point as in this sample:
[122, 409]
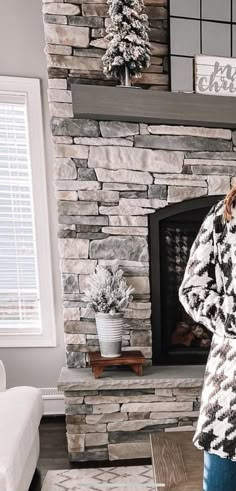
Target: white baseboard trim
[53, 401]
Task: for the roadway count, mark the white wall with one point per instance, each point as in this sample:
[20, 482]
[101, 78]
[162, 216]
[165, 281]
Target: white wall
[22, 54]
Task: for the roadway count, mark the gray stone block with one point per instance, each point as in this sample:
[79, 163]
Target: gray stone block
[116, 186]
[190, 131]
[71, 151]
[55, 19]
[84, 21]
[120, 248]
[104, 141]
[138, 416]
[134, 159]
[58, 8]
[64, 185]
[84, 220]
[75, 127]
[73, 248]
[67, 35]
[92, 235]
[100, 196]
[81, 163]
[96, 439]
[182, 143]
[211, 155]
[77, 208]
[110, 129]
[82, 327]
[140, 231]
[141, 338]
[124, 209]
[123, 176]
[126, 450]
[70, 283]
[179, 193]
[85, 428]
[79, 418]
[214, 170]
[65, 169]
[105, 418]
[133, 194]
[86, 174]
[75, 360]
[128, 221]
[157, 191]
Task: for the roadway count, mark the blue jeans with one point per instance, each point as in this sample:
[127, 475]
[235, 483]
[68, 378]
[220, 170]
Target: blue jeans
[219, 474]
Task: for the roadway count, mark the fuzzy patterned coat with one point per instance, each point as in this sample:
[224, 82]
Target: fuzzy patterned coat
[208, 294]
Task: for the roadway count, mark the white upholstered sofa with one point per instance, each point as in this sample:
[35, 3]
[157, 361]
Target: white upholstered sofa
[21, 409]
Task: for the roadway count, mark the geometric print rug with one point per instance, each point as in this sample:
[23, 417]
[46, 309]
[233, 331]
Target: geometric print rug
[131, 478]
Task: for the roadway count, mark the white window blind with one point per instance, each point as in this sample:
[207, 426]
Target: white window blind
[19, 291]
[27, 311]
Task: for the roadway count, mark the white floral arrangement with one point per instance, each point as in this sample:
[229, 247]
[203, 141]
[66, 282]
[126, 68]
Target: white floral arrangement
[107, 291]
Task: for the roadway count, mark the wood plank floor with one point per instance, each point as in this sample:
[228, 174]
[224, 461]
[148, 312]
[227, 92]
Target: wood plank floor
[53, 452]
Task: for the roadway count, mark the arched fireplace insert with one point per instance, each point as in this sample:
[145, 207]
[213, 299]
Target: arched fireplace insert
[176, 338]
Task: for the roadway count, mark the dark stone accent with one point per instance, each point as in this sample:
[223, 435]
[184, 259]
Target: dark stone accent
[135, 416]
[196, 405]
[89, 455]
[81, 163]
[98, 33]
[51, 19]
[185, 423]
[85, 21]
[88, 229]
[137, 324]
[70, 283]
[182, 143]
[158, 35]
[133, 194]
[58, 73]
[74, 409]
[75, 360]
[128, 436]
[126, 392]
[211, 155]
[86, 175]
[157, 191]
[74, 127]
[78, 419]
[120, 248]
[154, 12]
[214, 169]
[92, 236]
[91, 53]
[67, 234]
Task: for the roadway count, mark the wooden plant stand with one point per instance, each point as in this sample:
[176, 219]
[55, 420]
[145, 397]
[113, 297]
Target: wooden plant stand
[134, 359]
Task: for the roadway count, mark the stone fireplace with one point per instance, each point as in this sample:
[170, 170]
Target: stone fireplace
[127, 191]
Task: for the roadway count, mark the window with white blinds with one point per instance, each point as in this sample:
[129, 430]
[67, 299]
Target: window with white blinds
[19, 290]
[26, 292]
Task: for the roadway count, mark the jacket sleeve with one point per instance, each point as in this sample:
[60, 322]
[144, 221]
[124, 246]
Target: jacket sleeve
[198, 292]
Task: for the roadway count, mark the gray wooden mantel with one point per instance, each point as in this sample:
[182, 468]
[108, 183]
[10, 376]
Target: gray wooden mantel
[148, 106]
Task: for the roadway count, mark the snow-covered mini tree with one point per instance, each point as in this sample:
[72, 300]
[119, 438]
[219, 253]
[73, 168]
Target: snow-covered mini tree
[128, 50]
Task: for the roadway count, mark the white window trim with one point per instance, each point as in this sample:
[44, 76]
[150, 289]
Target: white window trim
[30, 87]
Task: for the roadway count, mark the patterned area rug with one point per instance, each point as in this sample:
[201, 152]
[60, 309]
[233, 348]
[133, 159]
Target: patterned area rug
[136, 478]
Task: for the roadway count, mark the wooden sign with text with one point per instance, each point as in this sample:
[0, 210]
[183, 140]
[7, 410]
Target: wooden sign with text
[215, 75]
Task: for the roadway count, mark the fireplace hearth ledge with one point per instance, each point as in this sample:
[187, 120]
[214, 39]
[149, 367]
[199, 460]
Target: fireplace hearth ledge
[74, 379]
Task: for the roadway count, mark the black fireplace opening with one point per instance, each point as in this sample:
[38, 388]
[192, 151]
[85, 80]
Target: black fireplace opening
[176, 338]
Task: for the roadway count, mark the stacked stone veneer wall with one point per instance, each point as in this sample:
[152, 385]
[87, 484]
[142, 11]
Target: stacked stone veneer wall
[112, 423]
[75, 33]
[109, 177]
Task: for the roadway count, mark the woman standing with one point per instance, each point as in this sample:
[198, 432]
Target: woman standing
[208, 294]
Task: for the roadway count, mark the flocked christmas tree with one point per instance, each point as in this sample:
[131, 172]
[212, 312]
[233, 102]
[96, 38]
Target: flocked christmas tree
[128, 51]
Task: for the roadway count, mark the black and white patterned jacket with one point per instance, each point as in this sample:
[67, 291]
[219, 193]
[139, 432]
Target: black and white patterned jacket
[208, 294]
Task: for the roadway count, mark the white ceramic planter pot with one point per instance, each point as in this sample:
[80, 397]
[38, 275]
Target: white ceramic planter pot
[110, 330]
